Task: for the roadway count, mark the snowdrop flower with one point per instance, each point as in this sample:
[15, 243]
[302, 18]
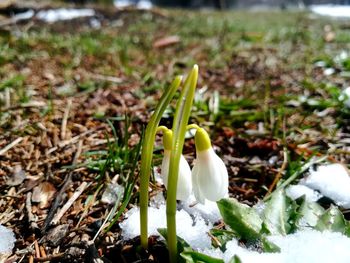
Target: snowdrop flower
[184, 182]
[209, 173]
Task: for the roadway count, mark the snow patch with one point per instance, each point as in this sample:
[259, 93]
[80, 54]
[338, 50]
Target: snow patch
[249, 256]
[302, 247]
[313, 246]
[345, 96]
[332, 181]
[140, 4]
[208, 211]
[339, 11]
[193, 231]
[7, 240]
[54, 15]
[296, 191]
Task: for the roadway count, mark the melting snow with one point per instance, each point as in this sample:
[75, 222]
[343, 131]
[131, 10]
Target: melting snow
[25, 15]
[140, 4]
[339, 11]
[302, 247]
[296, 191]
[209, 211]
[313, 246]
[194, 221]
[332, 181]
[7, 240]
[192, 231]
[345, 96]
[54, 15]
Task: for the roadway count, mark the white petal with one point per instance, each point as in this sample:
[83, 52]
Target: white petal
[196, 190]
[165, 167]
[184, 182]
[212, 175]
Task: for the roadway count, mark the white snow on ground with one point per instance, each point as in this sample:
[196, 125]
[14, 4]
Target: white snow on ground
[296, 191]
[302, 247]
[194, 221]
[313, 246]
[25, 15]
[340, 11]
[54, 15]
[141, 4]
[345, 96]
[332, 181]
[209, 211]
[193, 232]
[249, 256]
[7, 240]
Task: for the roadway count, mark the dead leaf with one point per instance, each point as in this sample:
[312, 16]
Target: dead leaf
[166, 41]
[17, 177]
[43, 194]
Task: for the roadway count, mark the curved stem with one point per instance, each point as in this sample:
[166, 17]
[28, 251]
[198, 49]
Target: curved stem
[161, 129]
[192, 126]
[182, 115]
[146, 156]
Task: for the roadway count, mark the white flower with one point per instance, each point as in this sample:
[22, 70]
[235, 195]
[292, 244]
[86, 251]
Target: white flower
[209, 173]
[184, 183]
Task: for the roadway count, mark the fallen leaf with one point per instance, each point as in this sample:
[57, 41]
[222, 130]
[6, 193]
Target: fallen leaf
[43, 194]
[17, 177]
[166, 41]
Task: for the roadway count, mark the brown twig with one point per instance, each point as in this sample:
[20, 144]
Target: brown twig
[50, 258]
[59, 195]
[11, 145]
[36, 247]
[74, 197]
[65, 119]
[280, 172]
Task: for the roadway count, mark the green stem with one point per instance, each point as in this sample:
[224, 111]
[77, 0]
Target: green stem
[162, 129]
[146, 156]
[192, 126]
[182, 115]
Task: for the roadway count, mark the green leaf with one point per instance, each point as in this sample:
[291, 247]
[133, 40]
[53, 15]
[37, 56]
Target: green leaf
[308, 215]
[182, 245]
[194, 256]
[276, 213]
[223, 236]
[269, 247]
[147, 154]
[333, 220]
[235, 259]
[181, 117]
[243, 219]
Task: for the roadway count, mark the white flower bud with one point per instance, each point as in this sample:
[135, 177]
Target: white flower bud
[209, 173]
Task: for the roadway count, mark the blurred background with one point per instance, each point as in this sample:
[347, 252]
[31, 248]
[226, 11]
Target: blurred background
[221, 4]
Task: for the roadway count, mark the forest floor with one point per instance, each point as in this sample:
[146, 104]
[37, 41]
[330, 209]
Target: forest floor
[76, 95]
